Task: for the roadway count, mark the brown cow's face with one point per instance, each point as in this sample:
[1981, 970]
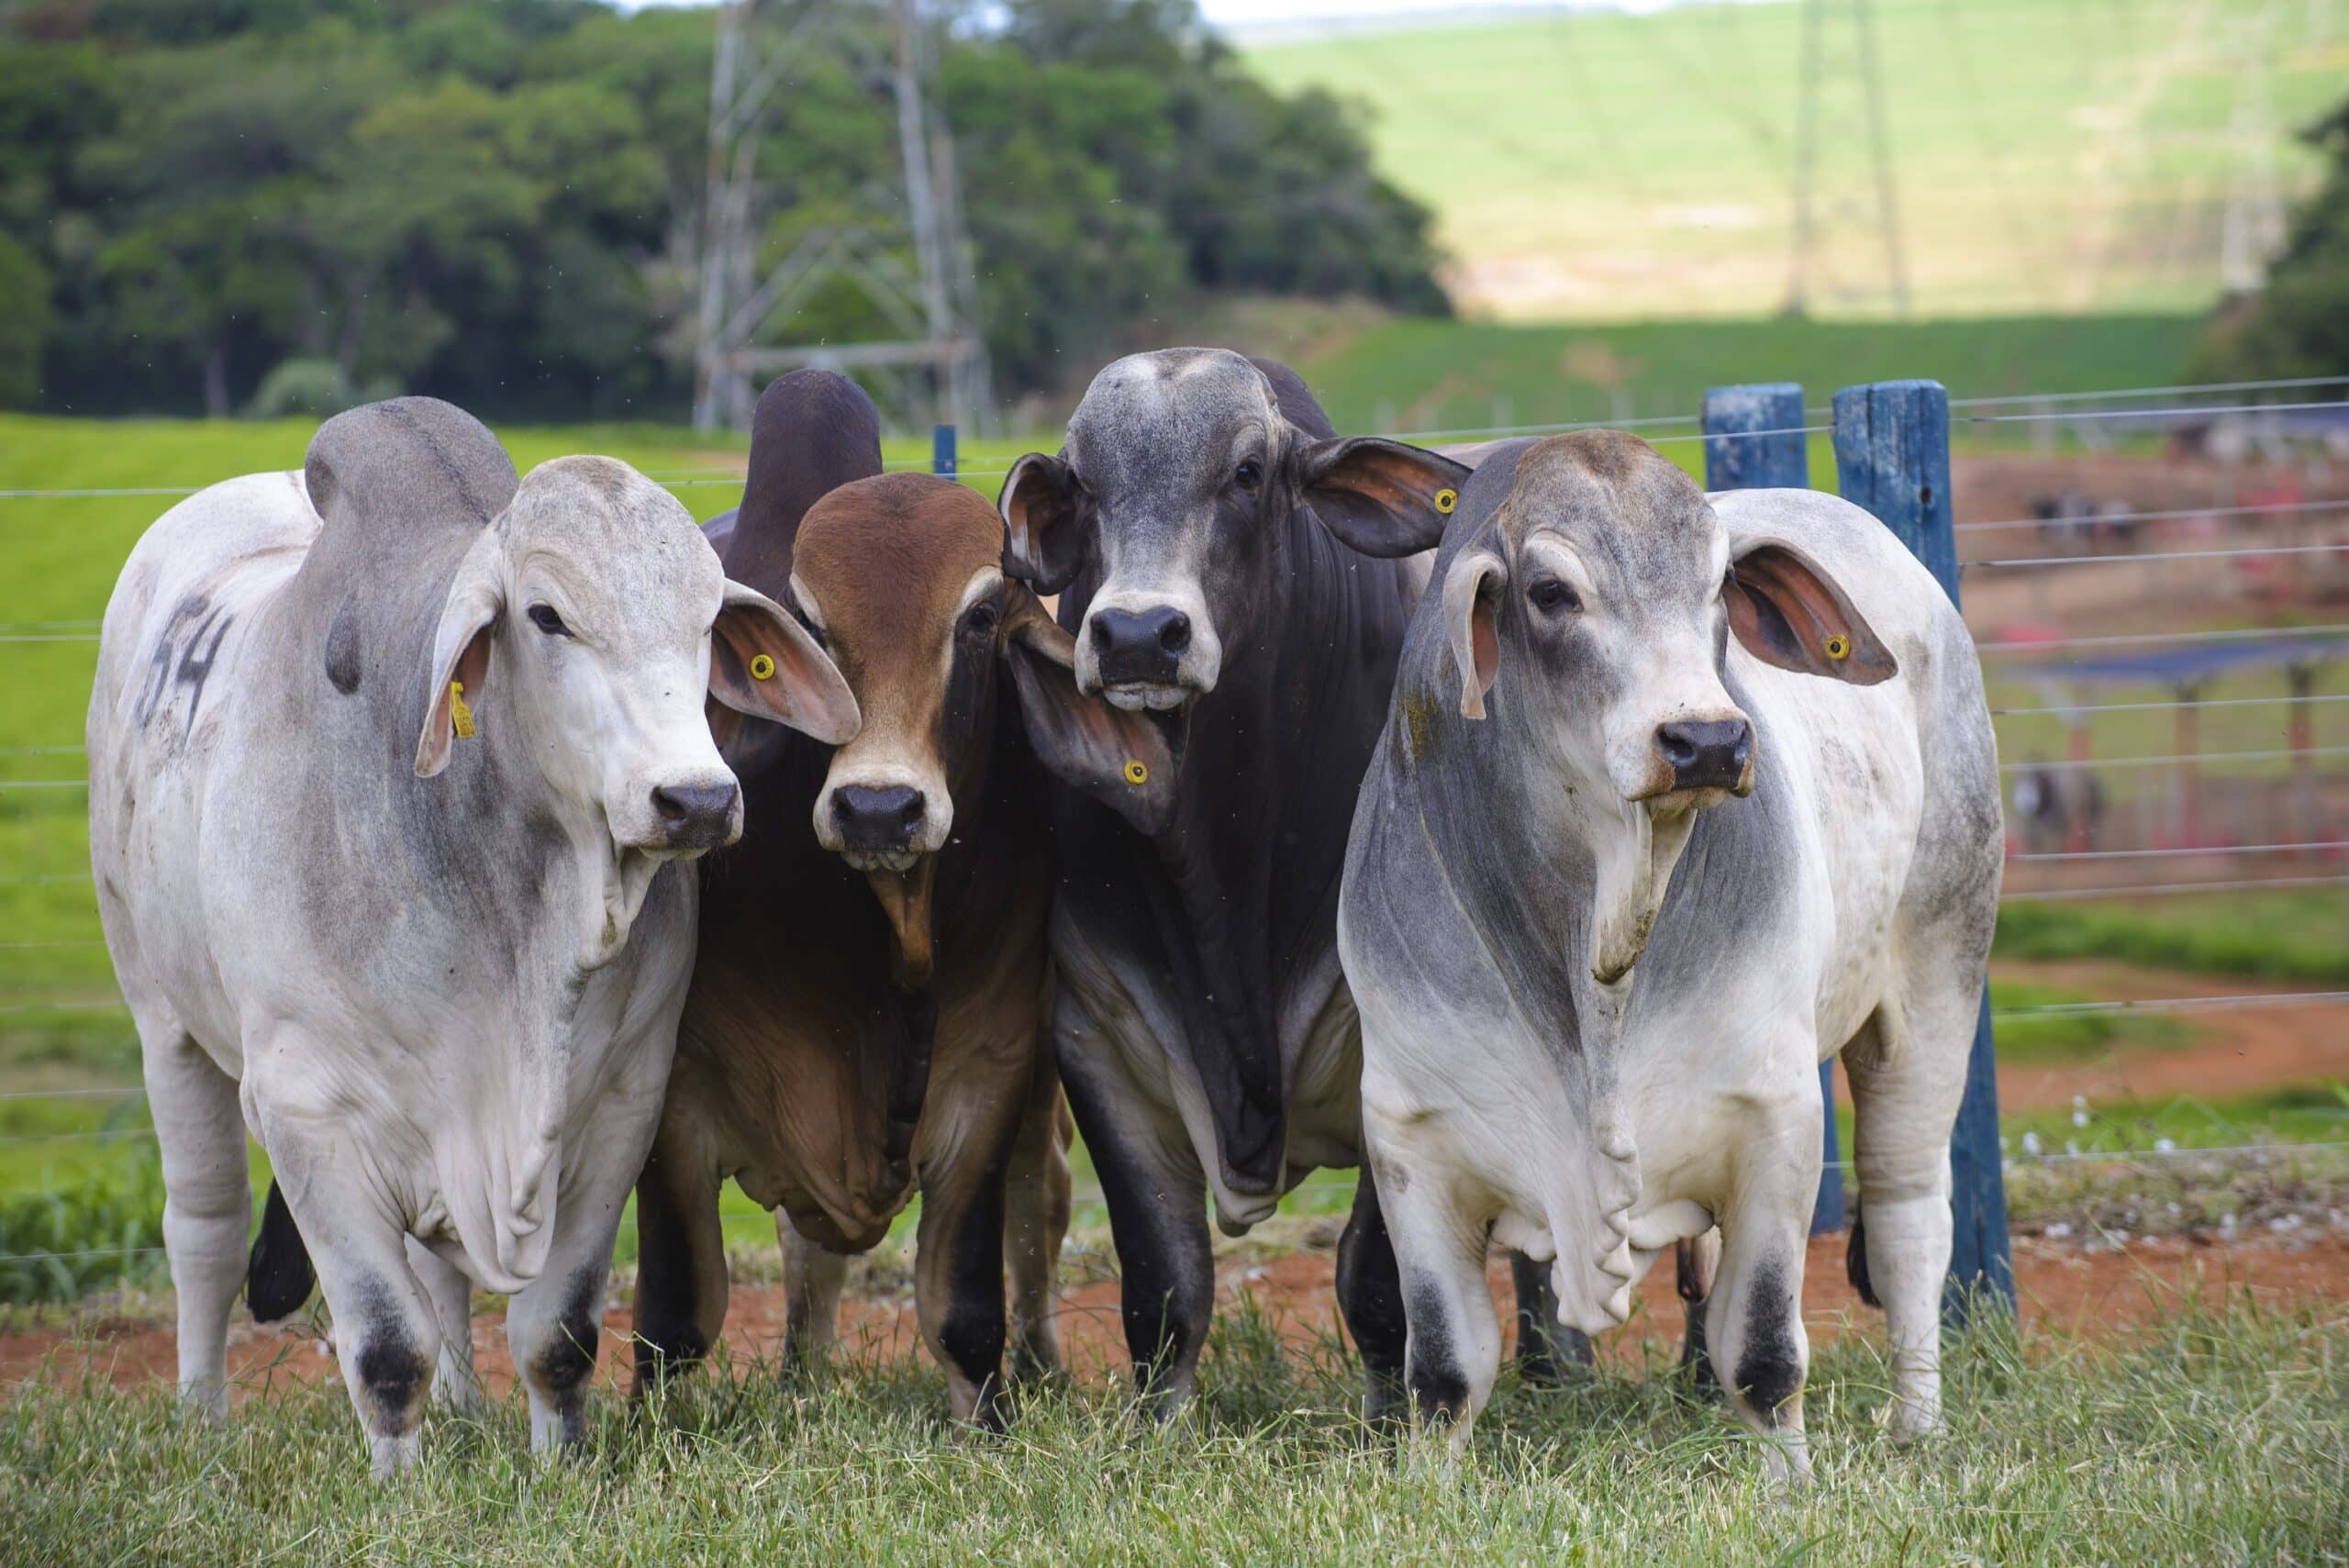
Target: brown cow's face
[900, 577]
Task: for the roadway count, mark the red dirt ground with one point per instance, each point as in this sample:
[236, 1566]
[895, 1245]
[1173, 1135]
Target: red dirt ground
[2064, 1288]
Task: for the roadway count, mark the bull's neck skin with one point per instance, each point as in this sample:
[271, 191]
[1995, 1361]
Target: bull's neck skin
[1242, 885]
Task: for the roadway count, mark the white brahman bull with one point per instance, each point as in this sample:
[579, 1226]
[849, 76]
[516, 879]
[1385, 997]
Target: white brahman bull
[389, 761]
[1676, 798]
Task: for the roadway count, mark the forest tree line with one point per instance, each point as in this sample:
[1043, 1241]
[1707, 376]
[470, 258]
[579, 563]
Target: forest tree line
[230, 205]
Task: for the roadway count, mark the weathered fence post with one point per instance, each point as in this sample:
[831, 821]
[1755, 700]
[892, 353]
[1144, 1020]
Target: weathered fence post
[1892, 456]
[942, 451]
[1754, 441]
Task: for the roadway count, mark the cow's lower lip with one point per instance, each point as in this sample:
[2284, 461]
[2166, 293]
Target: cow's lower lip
[881, 860]
[1135, 697]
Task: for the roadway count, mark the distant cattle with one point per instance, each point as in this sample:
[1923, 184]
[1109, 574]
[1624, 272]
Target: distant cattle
[1218, 553]
[390, 760]
[1677, 796]
[867, 1012]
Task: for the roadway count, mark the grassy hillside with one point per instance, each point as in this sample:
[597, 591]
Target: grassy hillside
[2050, 155]
[1418, 375]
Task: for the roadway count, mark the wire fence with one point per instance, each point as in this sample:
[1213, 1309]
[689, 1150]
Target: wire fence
[2173, 405]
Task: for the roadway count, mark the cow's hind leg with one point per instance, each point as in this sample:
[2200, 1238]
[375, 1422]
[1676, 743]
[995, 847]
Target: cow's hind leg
[207, 1198]
[1036, 1216]
[1907, 1069]
[1546, 1346]
[1370, 1298]
[1754, 1314]
[681, 1279]
[454, 1383]
[958, 1279]
[813, 1278]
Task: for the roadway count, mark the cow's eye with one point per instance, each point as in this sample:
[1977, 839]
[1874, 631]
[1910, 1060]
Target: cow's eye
[545, 620]
[1552, 597]
[1249, 474]
[981, 621]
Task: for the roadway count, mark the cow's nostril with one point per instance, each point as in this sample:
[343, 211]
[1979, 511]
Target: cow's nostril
[886, 819]
[695, 816]
[1175, 632]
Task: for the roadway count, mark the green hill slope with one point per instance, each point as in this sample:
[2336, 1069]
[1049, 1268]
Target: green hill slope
[2051, 156]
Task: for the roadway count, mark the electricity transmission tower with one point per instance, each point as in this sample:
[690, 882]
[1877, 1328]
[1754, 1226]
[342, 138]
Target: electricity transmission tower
[1826, 116]
[931, 363]
[2251, 232]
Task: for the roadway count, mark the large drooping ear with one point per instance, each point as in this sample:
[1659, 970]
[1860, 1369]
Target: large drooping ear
[1380, 497]
[1039, 514]
[1119, 757]
[461, 655]
[1472, 592]
[764, 664]
[1789, 612]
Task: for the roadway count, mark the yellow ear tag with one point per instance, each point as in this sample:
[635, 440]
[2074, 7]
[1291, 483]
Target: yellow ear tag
[1839, 647]
[460, 713]
[1446, 499]
[762, 667]
[1136, 774]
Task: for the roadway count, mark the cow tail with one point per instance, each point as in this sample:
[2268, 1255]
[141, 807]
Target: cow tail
[279, 1275]
[1855, 1261]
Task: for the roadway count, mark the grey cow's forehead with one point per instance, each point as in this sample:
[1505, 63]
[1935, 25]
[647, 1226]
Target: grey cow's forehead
[598, 531]
[1150, 415]
[1635, 516]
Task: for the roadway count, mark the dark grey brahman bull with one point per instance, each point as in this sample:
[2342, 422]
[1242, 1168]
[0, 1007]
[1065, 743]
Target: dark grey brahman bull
[866, 1013]
[1677, 799]
[389, 759]
[1201, 525]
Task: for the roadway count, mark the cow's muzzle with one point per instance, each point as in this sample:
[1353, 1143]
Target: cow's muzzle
[1140, 648]
[879, 828]
[1707, 754]
[697, 817]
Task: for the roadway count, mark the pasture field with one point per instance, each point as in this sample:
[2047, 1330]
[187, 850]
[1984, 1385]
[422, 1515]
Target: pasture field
[2047, 155]
[2216, 1435]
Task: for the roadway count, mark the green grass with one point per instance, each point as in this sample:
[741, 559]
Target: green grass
[2063, 1038]
[2049, 155]
[2218, 1438]
[2297, 934]
[2288, 1113]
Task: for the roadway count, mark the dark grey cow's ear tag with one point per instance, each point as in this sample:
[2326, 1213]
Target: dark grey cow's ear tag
[1381, 497]
[1119, 757]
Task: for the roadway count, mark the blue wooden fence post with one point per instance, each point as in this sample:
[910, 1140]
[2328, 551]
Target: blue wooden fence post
[1892, 456]
[942, 451]
[1739, 456]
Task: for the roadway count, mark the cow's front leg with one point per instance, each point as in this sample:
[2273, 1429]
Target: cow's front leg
[681, 1279]
[454, 1385]
[554, 1326]
[1754, 1314]
[958, 1280]
[386, 1335]
[1370, 1298]
[1036, 1214]
[1453, 1351]
[1156, 1194]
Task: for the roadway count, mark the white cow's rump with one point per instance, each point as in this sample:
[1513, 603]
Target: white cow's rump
[1642, 845]
[389, 759]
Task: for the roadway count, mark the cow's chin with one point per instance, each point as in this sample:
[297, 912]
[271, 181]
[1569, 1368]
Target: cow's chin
[1680, 802]
[883, 860]
[1136, 696]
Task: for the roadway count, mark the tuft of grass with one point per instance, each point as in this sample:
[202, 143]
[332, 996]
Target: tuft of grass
[2218, 1436]
[58, 1241]
[2075, 1037]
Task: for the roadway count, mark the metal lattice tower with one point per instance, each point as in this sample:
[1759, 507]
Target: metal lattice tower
[1816, 215]
[934, 365]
